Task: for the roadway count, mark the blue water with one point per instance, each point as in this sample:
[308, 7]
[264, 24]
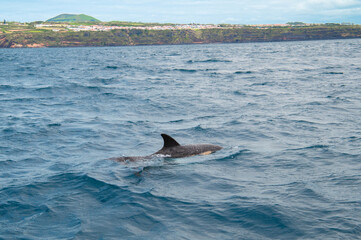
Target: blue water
[287, 114]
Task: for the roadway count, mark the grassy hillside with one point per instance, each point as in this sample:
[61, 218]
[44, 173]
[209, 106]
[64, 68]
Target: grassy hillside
[78, 18]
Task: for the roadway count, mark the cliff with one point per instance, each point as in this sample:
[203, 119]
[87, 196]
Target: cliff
[125, 37]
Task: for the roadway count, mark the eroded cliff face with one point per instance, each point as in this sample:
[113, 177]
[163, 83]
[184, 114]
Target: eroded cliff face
[4, 42]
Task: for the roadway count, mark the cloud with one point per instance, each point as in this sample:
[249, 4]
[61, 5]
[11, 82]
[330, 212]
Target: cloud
[201, 11]
[327, 4]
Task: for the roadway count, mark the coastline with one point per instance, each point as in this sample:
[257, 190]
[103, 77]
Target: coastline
[133, 37]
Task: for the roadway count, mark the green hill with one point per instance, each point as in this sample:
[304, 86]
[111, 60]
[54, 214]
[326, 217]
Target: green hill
[78, 18]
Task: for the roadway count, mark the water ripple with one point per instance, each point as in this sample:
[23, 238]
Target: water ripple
[286, 115]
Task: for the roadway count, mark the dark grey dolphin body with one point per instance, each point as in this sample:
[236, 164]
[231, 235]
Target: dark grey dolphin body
[172, 149]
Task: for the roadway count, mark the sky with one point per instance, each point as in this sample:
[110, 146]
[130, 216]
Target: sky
[189, 11]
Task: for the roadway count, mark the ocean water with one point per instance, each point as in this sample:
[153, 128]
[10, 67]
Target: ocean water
[287, 114]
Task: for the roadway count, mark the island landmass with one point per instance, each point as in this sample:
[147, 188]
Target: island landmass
[70, 30]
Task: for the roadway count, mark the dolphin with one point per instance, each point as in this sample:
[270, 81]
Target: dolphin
[172, 149]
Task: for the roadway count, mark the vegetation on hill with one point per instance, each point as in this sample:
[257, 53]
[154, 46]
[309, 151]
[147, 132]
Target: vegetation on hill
[79, 18]
[32, 37]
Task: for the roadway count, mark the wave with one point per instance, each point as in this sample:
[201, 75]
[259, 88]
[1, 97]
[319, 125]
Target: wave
[209, 61]
[76, 180]
[199, 128]
[185, 70]
[18, 211]
[174, 54]
[54, 125]
[243, 72]
[315, 103]
[354, 139]
[317, 146]
[9, 130]
[6, 163]
[105, 81]
[6, 87]
[67, 181]
[235, 155]
[13, 88]
[275, 220]
[68, 88]
[239, 93]
[38, 220]
[111, 67]
[351, 180]
[22, 99]
[262, 84]
[333, 73]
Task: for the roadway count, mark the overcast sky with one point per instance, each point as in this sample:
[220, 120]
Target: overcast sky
[189, 11]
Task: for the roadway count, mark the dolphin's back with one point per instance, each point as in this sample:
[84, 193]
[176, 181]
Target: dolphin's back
[188, 150]
[172, 149]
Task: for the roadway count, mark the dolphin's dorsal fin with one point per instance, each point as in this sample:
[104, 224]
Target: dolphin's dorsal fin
[169, 141]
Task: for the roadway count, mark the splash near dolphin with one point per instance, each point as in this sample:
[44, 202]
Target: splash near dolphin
[172, 149]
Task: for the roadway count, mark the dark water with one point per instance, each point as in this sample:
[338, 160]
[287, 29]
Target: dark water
[287, 114]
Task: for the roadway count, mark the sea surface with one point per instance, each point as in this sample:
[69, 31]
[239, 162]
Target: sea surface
[287, 114]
